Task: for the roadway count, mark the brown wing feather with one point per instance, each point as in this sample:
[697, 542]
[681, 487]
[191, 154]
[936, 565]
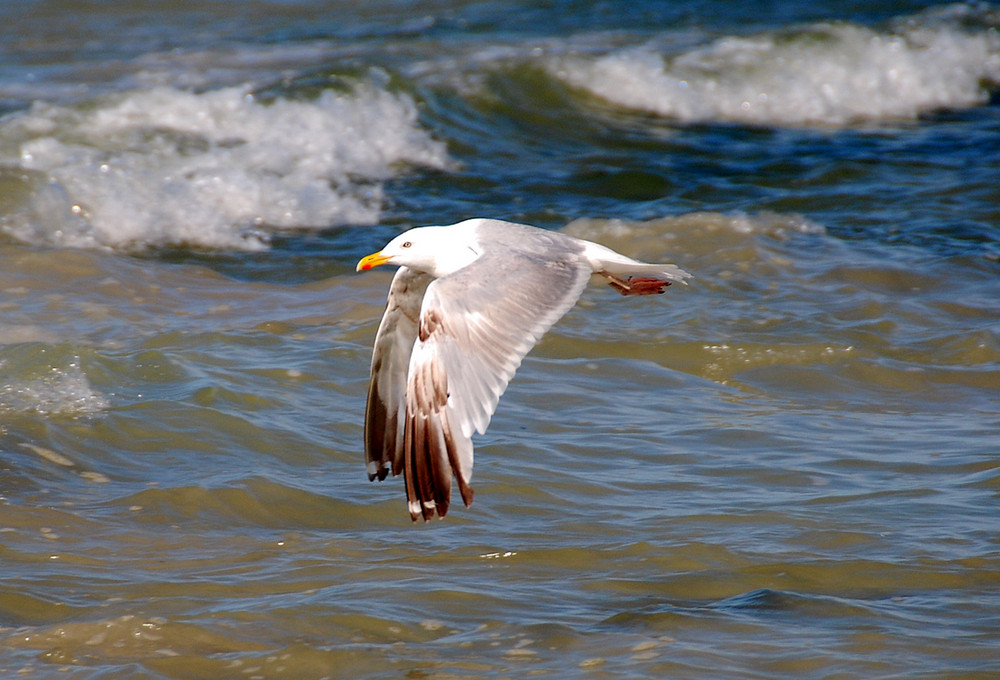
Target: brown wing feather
[390, 363]
[475, 327]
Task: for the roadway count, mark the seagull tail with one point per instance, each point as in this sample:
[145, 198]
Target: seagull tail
[670, 272]
[605, 261]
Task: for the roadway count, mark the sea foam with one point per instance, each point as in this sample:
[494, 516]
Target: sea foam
[64, 390]
[829, 74]
[218, 168]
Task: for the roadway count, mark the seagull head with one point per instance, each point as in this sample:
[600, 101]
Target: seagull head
[433, 250]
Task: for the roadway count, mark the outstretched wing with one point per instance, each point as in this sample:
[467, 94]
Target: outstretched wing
[474, 329]
[390, 361]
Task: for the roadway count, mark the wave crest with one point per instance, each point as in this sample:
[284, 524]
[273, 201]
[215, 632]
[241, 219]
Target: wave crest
[826, 74]
[216, 169]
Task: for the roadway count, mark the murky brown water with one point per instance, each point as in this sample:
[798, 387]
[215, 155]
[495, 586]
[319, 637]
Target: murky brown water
[787, 469]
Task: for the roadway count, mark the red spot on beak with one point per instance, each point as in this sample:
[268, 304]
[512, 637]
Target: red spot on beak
[373, 260]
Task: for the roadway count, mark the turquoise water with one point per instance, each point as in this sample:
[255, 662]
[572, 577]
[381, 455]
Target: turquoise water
[787, 469]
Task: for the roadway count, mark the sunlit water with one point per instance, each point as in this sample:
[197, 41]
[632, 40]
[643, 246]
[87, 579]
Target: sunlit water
[787, 469]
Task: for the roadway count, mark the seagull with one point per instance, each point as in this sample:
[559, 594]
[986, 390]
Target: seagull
[468, 301]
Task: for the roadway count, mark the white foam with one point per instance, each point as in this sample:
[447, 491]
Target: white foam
[215, 169]
[827, 74]
[63, 391]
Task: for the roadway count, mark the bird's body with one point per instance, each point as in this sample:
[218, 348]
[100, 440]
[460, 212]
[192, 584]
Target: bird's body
[467, 303]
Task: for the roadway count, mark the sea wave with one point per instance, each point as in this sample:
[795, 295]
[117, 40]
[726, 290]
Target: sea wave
[220, 168]
[828, 74]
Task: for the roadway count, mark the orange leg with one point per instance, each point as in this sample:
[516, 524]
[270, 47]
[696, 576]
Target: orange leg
[636, 285]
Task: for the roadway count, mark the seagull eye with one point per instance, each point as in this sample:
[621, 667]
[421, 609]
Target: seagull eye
[407, 244]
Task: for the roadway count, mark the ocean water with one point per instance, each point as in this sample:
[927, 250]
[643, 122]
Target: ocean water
[789, 468]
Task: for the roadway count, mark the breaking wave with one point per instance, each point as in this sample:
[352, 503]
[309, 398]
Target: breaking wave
[829, 74]
[216, 169]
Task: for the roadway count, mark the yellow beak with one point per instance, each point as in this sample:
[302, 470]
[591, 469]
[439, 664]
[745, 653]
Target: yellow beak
[373, 260]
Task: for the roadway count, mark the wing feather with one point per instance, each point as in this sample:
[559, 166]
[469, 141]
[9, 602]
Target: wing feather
[475, 327]
[384, 415]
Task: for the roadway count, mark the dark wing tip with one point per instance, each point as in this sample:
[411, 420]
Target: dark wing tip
[426, 510]
[465, 490]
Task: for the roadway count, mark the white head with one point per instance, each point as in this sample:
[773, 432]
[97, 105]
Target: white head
[433, 250]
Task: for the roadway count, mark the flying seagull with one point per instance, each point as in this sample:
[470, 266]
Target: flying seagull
[467, 303]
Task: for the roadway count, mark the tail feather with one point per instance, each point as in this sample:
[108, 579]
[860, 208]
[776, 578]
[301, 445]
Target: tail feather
[670, 272]
[603, 259]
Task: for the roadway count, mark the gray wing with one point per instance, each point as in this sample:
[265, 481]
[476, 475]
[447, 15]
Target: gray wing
[475, 327]
[390, 361]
